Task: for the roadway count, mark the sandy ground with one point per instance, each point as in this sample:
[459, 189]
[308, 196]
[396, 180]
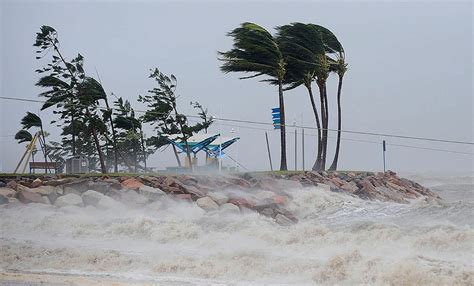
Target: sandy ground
[25, 278]
[57, 279]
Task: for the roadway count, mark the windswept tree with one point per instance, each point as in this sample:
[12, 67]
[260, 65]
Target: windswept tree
[61, 79]
[339, 66]
[130, 138]
[303, 49]
[70, 92]
[31, 120]
[332, 47]
[312, 53]
[164, 115]
[256, 51]
[203, 114]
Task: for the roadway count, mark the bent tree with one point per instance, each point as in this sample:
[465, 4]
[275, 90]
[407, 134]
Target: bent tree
[29, 121]
[69, 91]
[256, 51]
[303, 48]
[163, 113]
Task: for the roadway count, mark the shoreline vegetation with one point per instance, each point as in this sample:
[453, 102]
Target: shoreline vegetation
[112, 138]
[267, 193]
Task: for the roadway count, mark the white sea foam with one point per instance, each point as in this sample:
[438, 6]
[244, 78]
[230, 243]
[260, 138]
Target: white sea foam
[340, 239]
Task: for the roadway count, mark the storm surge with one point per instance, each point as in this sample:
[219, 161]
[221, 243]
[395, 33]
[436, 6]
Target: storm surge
[339, 239]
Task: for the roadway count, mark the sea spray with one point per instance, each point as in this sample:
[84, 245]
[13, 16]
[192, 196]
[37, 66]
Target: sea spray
[339, 239]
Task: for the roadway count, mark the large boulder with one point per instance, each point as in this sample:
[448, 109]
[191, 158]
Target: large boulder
[69, 200]
[49, 191]
[77, 187]
[7, 192]
[324, 187]
[229, 208]
[11, 184]
[243, 203]
[283, 220]
[91, 198]
[36, 183]
[183, 197]
[46, 190]
[72, 190]
[150, 192]
[133, 199]
[58, 182]
[26, 195]
[194, 191]
[219, 198]
[108, 203]
[265, 195]
[132, 183]
[100, 186]
[156, 206]
[207, 204]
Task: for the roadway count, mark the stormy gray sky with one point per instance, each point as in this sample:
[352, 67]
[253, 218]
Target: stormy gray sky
[410, 72]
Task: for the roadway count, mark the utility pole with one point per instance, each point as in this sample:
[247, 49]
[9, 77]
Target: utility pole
[384, 150]
[296, 146]
[302, 146]
[268, 150]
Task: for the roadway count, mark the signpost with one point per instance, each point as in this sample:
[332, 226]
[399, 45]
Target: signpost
[384, 150]
[276, 115]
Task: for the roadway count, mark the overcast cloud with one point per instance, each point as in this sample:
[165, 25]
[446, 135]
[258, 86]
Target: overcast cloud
[410, 72]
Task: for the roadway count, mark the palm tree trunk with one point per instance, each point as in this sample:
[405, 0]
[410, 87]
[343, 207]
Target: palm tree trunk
[325, 128]
[338, 144]
[73, 136]
[318, 124]
[321, 87]
[114, 138]
[283, 166]
[99, 150]
[142, 142]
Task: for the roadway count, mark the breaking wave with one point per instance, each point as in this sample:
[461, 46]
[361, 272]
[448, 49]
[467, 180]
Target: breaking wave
[339, 239]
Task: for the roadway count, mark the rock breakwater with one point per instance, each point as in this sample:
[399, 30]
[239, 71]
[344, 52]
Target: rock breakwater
[265, 193]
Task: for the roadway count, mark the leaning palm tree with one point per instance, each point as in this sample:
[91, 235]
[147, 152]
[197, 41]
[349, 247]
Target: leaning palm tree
[256, 51]
[31, 120]
[340, 67]
[331, 47]
[303, 48]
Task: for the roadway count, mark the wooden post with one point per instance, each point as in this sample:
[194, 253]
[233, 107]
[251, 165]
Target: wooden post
[268, 150]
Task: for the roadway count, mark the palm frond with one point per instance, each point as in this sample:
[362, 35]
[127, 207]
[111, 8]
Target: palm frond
[23, 136]
[31, 120]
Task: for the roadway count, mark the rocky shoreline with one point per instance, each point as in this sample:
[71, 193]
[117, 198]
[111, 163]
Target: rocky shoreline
[265, 193]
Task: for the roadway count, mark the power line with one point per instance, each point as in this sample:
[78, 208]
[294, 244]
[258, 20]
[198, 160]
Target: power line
[268, 124]
[354, 140]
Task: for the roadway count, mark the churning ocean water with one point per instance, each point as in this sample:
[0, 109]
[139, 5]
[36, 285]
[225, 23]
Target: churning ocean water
[339, 240]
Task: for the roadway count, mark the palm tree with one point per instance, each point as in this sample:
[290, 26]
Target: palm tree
[131, 137]
[31, 120]
[256, 51]
[302, 47]
[340, 67]
[89, 93]
[331, 46]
